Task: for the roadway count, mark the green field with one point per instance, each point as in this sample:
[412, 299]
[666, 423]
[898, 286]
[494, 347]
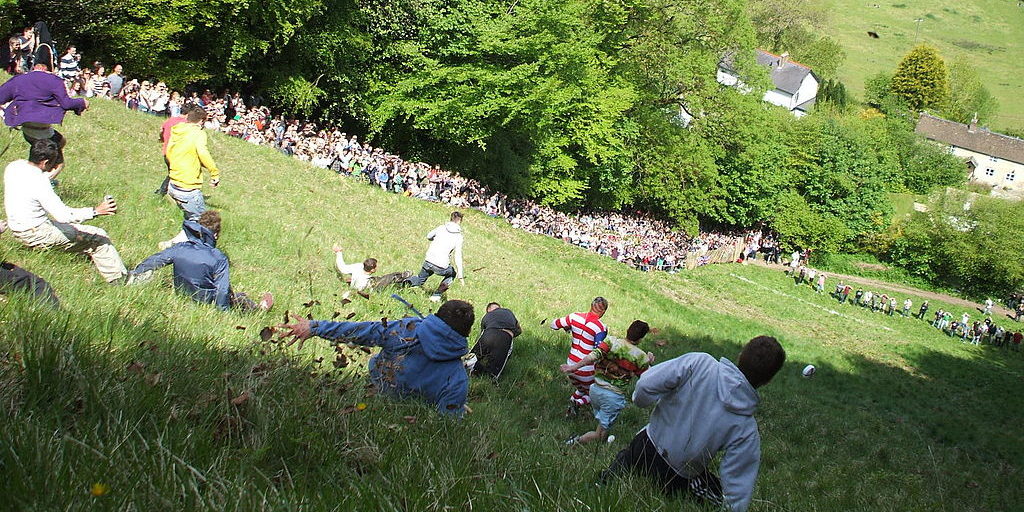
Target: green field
[143, 391]
[988, 33]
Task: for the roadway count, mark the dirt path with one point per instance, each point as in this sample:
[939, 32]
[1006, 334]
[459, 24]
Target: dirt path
[997, 310]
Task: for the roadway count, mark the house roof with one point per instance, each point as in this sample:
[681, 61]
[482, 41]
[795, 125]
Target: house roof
[786, 78]
[980, 140]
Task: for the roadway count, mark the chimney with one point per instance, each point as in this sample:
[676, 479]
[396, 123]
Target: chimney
[973, 127]
[783, 59]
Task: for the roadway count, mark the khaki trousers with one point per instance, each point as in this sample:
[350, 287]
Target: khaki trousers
[90, 240]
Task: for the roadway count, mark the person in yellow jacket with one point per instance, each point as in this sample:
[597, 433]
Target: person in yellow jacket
[187, 155]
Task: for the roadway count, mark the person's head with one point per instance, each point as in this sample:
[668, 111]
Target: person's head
[210, 219]
[196, 115]
[370, 265]
[456, 217]
[598, 306]
[760, 359]
[458, 314]
[492, 306]
[41, 66]
[637, 330]
[44, 154]
[118, 69]
[71, 50]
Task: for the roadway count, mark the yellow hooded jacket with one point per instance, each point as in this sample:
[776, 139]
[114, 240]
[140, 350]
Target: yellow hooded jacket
[187, 154]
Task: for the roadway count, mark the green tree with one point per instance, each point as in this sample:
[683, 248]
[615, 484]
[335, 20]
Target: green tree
[968, 95]
[921, 79]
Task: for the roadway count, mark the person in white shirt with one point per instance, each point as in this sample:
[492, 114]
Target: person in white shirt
[30, 203]
[362, 273]
[445, 243]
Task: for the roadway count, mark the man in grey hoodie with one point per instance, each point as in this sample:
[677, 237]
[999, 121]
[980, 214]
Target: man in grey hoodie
[702, 407]
[445, 245]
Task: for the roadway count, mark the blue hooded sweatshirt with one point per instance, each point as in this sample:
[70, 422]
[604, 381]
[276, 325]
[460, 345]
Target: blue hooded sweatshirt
[421, 357]
[200, 269]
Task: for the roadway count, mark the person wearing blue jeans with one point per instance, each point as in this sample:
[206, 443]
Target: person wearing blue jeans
[445, 244]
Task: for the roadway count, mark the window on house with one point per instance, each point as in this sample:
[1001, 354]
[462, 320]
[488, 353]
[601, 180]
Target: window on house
[1010, 176]
[990, 172]
[993, 159]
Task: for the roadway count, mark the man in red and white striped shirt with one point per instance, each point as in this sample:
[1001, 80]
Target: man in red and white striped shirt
[587, 332]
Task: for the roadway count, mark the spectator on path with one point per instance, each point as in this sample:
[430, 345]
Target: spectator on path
[820, 287]
[907, 304]
[187, 155]
[30, 203]
[587, 332]
[499, 327]
[703, 407]
[38, 101]
[201, 270]
[362, 273]
[924, 309]
[617, 363]
[891, 310]
[418, 357]
[69, 63]
[445, 244]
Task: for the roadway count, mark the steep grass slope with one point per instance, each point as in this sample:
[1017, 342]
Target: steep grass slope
[985, 32]
[172, 405]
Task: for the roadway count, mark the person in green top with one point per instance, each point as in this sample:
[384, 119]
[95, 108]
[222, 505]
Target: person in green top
[618, 362]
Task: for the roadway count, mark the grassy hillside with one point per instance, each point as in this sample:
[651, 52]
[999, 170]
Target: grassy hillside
[986, 32]
[175, 406]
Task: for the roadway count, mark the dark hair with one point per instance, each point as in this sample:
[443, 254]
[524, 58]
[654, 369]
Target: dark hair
[495, 304]
[210, 219]
[761, 359]
[369, 264]
[196, 115]
[458, 314]
[42, 150]
[456, 216]
[599, 303]
[637, 330]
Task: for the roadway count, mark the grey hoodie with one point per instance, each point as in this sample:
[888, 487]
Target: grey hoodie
[704, 406]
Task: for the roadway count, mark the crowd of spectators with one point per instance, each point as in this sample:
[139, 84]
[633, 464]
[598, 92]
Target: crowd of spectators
[635, 239]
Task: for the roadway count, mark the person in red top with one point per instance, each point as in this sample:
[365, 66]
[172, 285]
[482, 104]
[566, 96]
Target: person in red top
[1017, 336]
[165, 137]
[587, 332]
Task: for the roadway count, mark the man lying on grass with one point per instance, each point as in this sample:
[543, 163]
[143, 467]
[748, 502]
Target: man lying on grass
[702, 407]
[419, 356]
[201, 270]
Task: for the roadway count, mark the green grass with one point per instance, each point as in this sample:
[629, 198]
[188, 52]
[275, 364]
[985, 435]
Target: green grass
[133, 387]
[985, 32]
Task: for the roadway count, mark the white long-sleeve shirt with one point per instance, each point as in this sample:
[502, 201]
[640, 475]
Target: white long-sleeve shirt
[29, 197]
[360, 278]
[446, 241]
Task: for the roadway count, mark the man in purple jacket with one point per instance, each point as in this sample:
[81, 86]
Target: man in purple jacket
[38, 100]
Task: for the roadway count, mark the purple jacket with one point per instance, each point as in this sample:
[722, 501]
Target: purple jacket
[37, 97]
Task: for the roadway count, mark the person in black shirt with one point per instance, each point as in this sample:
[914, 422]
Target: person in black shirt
[493, 347]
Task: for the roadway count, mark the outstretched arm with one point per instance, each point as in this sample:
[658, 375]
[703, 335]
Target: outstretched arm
[662, 378]
[362, 333]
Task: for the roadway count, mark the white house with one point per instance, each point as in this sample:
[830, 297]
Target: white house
[992, 159]
[796, 86]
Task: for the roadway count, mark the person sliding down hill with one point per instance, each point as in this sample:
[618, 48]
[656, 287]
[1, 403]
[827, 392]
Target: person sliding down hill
[201, 270]
[186, 156]
[618, 362]
[418, 357]
[445, 243]
[702, 406]
[587, 332]
[499, 326]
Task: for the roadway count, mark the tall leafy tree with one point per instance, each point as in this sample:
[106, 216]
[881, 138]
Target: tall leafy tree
[921, 79]
[968, 96]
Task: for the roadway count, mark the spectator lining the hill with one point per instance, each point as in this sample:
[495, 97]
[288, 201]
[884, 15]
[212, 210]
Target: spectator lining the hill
[419, 357]
[31, 202]
[703, 407]
[201, 270]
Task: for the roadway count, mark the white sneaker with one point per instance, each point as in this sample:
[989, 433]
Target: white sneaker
[435, 298]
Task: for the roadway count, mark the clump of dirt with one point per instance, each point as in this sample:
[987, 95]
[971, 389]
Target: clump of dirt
[874, 267]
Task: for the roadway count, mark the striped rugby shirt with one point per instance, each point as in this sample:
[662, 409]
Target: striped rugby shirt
[587, 332]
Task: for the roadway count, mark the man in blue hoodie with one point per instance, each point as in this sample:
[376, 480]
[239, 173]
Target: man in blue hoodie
[200, 269]
[419, 357]
[701, 407]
